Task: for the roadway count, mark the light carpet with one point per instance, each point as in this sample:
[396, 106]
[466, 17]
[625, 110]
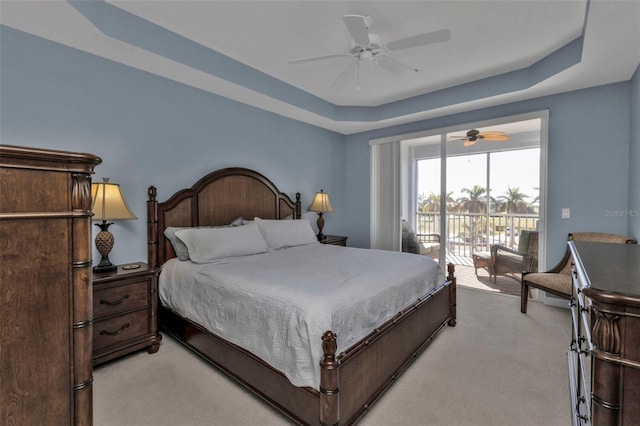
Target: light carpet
[496, 367]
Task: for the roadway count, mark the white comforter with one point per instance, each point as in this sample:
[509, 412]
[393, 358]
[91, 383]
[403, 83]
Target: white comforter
[277, 304]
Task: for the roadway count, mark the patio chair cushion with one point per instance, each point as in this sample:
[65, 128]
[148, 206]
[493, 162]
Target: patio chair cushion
[523, 242]
[410, 243]
[510, 260]
[428, 243]
[429, 247]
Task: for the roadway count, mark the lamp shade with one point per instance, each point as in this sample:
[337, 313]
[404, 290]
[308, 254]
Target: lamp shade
[321, 203]
[108, 203]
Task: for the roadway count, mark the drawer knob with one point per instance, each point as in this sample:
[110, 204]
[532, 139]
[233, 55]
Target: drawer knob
[114, 303]
[113, 333]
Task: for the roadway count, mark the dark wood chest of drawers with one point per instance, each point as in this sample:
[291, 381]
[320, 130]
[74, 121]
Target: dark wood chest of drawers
[46, 374]
[604, 357]
[124, 311]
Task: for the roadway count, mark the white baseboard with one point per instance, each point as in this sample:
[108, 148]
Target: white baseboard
[553, 301]
[550, 300]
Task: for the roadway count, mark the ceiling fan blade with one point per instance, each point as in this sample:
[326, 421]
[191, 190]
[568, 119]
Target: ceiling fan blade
[420, 40]
[497, 138]
[318, 58]
[395, 66]
[469, 143]
[339, 77]
[358, 29]
[491, 133]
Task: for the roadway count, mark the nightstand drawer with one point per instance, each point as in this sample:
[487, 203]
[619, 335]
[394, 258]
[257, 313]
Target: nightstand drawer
[110, 301]
[118, 329]
[334, 240]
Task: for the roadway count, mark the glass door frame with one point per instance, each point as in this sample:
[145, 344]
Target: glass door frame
[409, 203]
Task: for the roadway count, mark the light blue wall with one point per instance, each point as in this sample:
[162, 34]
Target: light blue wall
[152, 131]
[634, 158]
[588, 166]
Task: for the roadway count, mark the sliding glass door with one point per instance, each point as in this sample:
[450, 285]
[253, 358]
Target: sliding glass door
[476, 192]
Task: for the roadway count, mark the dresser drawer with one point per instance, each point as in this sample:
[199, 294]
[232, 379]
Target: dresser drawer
[113, 300]
[118, 329]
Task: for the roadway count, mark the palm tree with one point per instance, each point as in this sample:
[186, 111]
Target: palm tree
[513, 201]
[537, 197]
[475, 201]
[534, 205]
[422, 202]
[432, 202]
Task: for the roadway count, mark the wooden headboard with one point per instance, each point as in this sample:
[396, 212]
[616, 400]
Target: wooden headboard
[216, 199]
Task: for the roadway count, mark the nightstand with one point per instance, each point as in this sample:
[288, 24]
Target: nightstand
[335, 240]
[124, 312]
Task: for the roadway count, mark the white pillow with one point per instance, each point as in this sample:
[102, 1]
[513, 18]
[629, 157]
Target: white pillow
[208, 244]
[182, 253]
[286, 233]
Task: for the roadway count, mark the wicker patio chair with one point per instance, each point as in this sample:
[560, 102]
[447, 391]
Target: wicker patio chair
[506, 260]
[425, 244]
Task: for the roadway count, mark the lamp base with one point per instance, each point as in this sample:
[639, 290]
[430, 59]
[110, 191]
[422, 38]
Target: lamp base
[104, 244]
[106, 267]
[320, 224]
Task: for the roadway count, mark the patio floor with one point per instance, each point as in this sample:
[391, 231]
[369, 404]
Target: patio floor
[504, 284]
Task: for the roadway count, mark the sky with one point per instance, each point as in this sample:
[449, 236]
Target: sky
[519, 168]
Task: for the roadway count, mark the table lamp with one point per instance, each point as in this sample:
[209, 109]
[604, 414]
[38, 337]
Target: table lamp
[107, 204]
[321, 205]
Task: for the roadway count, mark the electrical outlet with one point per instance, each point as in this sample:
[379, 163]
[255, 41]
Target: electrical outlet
[566, 213]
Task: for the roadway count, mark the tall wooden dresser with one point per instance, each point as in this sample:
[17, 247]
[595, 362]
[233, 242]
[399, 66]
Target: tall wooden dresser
[45, 287]
[604, 357]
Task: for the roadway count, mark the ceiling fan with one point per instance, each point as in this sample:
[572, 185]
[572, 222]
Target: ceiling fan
[474, 136]
[369, 47]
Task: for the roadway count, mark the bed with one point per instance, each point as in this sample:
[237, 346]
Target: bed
[351, 379]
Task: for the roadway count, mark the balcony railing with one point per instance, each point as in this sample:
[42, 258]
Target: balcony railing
[470, 232]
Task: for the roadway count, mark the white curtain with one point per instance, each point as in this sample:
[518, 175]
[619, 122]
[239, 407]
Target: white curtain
[386, 226]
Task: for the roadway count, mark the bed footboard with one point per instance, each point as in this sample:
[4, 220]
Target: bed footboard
[352, 381]
[453, 293]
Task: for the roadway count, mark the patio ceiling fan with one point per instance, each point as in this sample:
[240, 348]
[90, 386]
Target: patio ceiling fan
[473, 136]
[366, 47]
